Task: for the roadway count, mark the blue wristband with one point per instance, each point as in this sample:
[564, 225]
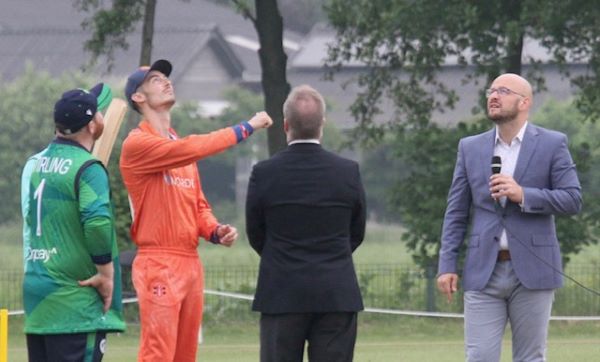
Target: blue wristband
[101, 259]
[248, 126]
[214, 238]
[242, 131]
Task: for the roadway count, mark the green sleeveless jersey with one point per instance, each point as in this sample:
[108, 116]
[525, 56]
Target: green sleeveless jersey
[68, 229]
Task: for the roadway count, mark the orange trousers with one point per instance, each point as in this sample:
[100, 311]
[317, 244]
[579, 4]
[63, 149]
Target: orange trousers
[169, 286]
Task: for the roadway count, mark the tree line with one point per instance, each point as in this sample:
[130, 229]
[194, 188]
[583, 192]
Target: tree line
[403, 45]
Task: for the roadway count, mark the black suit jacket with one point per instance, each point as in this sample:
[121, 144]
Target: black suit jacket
[305, 215]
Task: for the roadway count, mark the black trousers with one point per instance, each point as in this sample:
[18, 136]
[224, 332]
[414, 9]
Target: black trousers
[76, 347]
[330, 336]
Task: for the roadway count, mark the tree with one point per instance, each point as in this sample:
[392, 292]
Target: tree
[299, 16]
[111, 26]
[419, 195]
[416, 37]
[26, 127]
[269, 25]
[404, 44]
[380, 169]
[584, 143]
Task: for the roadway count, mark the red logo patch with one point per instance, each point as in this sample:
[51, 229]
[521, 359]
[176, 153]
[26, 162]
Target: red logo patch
[159, 290]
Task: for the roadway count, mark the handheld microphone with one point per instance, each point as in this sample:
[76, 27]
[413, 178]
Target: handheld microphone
[496, 167]
[496, 164]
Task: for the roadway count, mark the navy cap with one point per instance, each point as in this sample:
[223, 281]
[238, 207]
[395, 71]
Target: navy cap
[76, 108]
[137, 78]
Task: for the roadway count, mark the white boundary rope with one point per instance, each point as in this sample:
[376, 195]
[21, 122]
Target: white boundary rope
[368, 310]
[406, 312]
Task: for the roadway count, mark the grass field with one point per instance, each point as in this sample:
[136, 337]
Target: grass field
[394, 339]
[381, 338]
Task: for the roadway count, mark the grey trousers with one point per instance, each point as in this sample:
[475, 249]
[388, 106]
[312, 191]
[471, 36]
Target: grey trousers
[505, 299]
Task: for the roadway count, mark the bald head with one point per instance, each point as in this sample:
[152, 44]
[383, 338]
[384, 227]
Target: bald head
[509, 100]
[515, 83]
[304, 113]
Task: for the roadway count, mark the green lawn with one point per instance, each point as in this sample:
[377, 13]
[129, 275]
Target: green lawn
[387, 338]
[11, 244]
[394, 339]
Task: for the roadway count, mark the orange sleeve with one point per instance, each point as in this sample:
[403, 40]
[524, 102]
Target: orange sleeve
[207, 222]
[144, 152]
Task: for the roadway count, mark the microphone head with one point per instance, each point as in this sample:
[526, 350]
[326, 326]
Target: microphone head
[496, 164]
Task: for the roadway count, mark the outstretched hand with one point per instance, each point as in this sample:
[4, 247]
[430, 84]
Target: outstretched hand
[261, 120]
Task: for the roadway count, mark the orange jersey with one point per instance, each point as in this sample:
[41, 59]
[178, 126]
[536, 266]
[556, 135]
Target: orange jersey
[168, 206]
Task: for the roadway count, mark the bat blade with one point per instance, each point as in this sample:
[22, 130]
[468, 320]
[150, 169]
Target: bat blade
[113, 118]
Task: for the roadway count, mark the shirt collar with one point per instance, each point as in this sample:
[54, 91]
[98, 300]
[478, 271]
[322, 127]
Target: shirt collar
[64, 141]
[311, 140]
[147, 127]
[518, 137]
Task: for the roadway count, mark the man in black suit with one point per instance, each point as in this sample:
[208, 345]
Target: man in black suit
[305, 215]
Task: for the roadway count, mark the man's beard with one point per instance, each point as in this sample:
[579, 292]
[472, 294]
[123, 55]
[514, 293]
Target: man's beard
[505, 116]
[501, 119]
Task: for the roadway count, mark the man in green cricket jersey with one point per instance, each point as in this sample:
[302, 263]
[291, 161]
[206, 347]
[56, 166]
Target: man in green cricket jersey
[72, 284]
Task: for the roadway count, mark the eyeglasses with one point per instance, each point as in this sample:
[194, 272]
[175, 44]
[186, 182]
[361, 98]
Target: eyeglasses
[502, 91]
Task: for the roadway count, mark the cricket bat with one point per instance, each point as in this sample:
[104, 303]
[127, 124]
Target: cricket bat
[113, 118]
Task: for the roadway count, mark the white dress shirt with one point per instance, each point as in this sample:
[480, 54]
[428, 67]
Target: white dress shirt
[305, 141]
[509, 154]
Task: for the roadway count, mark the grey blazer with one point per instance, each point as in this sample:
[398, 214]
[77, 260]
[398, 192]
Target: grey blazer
[546, 172]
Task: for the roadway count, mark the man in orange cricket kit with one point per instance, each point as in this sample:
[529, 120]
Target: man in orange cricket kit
[169, 213]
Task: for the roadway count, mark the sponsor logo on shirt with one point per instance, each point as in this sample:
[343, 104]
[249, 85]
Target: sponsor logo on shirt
[187, 183]
[42, 255]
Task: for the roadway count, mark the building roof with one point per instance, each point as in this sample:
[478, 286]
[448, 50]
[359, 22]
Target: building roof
[31, 28]
[57, 50]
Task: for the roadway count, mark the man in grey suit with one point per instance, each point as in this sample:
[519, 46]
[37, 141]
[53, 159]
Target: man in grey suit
[513, 261]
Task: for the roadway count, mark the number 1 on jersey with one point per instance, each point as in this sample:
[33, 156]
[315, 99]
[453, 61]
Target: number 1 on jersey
[37, 195]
